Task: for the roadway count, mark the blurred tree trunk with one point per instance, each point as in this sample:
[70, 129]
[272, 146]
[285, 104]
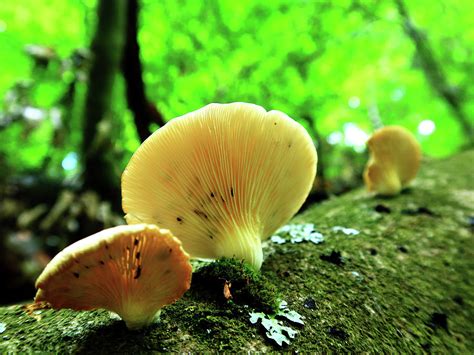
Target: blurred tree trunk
[144, 112]
[319, 190]
[107, 49]
[434, 71]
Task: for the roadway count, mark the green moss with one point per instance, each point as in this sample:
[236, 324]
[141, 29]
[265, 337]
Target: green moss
[246, 286]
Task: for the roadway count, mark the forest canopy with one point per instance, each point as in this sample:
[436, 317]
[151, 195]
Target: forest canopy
[342, 68]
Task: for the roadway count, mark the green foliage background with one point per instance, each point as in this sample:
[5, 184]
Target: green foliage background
[332, 61]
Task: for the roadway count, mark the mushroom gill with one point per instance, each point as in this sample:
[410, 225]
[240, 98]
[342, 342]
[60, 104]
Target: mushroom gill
[131, 270]
[222, 178]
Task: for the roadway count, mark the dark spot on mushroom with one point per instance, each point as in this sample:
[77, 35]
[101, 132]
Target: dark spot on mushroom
[110, 257]
[211, 237]
[222, 198]
[101, 262]
[171, 250]
[76, 261]
[138, 272]
[106, 246]
[128, 248]
[137, 255]
[76, 274]
[180, 220]
[380, 208]
[87, 266]
[274, 123]
[212, 194]
[289, 145]
[201, 214]
[232, 191]
[136, 241]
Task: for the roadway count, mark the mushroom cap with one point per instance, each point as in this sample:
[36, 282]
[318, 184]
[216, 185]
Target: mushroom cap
[222, 178]
[130, 270]
[394, 161]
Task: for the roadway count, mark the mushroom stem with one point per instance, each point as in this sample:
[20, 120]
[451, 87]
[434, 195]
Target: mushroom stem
[246, 247]
[389, 183]
[137, 320]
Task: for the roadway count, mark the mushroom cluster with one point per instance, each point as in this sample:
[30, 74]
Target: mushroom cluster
[131, 270]
[222, 179]
[394, 161]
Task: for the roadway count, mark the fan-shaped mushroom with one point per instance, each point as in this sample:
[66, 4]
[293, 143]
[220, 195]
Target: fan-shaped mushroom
[394, 160]
[222, 178]
[130, 270]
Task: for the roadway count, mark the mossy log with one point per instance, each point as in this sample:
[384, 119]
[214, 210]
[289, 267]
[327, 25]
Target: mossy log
[403, 284]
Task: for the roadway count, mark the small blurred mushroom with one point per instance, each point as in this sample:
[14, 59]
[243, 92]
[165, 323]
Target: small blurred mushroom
[394, 160]
[222, 178]
[131, 270]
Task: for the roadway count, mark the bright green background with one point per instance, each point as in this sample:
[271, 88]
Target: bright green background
[330, 60]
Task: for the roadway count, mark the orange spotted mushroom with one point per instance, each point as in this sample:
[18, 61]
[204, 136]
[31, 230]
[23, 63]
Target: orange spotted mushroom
[394, 160]
[131, 270]
[222, 178]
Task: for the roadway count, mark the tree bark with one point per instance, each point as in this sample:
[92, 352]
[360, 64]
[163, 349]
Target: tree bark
[144, 112]
[107, 49]
[403, 284]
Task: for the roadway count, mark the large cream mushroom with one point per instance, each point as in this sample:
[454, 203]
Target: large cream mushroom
[222, 178]
[131, 270]
[394, 161]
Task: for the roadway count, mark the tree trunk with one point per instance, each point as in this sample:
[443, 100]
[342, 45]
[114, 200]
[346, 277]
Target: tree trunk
[434, 72]
[107, 47]
[144, 112]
